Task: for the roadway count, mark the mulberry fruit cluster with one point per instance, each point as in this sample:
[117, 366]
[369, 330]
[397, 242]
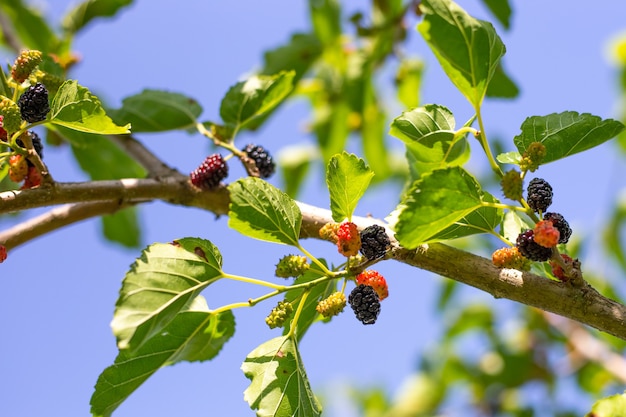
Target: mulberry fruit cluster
[348, 239]
[33, 103]
[292, 266]
[332, 305]
[539, 195]
[374, 280]
[210, 173]
[530, 249]
[546, 234]
[374, 242]
[365, 303]
[329, 232]
[279, 314]
[262, 159]
[532, 158]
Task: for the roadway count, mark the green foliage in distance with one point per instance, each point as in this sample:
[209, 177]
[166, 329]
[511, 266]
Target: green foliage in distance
[161, 318]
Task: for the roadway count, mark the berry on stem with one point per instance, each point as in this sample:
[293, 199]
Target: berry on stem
[279, 314]
[210, 173]
[332, 305]
[329, 232]
[18, 168]
[262, 159]
[546, 234]
[24, 65]
[365, 303]
[292, 266]
[530, 249]
[374, 280]
[374, 242]
[348, 239]
[11, 117]
[557, 270]
[510, 257]
[512, 185]
[33, 178]
[33, 103]
[561, 224]
[539, 195]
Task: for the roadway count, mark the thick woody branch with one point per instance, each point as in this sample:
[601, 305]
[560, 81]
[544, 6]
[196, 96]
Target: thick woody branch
[581, 303]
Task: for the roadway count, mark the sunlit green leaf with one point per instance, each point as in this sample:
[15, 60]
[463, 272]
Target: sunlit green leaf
[295, 161]
[347, 178]
[409, 81]
[429, 135]
[298, 55]
[157, 111]
[81, 14]
[122, 227]
[252, 98]
[435, 202]
[278, 382]
[76, 108]
[566, 133]
[193, 335]
[160, 284]
[30, 26]
[326, 18]
[262, 211]
[468, 49]
[512, 157]
[613, 406]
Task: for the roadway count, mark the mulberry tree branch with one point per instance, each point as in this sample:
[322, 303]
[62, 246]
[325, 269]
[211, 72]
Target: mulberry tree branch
[581, 303]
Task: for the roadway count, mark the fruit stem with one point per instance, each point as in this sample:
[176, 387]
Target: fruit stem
[254, 281]
[482, 137]
[296, 316]
[317, 262]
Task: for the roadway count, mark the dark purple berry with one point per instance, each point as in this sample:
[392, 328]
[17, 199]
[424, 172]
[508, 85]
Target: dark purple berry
[262, 159]
[365, 302]
[374, 242]
[530, 249]
[539, 195]
[559, 222]
[33, 103]
[210, 173]
[37, 144]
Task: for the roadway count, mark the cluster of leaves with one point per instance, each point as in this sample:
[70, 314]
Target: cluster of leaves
[161, 318]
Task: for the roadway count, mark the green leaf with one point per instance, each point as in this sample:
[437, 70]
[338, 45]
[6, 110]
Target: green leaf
[193, 335]
[160, 284]
[309, 314]
[481, 220]
[298, 55]
[262, 211]
[295, 161]
[501, 9]
[123, 227]
[251, 99]
[435, 202]
[157, 111]
[279, 386]
[326, 18]
[329, 126]
[429, 135]
[347, 178]
[613, 406]
[76, 108]
[467, 49]
[501, 85]
[512, 157]
[83, 13]
[31, 27]
[408, 82]
[566, 133]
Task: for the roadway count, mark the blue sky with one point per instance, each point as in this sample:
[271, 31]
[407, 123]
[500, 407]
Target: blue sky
[59, 291]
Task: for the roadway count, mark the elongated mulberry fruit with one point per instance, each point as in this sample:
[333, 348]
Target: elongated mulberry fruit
[262, 159]
[33, 103]
[292, 266]
[374, 280]
[11, 118]
[510, 257]
[374, 242]
[24, 65]
[530, 249]
[561, 225]
[279, 314]
[512, 185]
[210, 173]
[539, 195]
[332, 305]
[348, 239]
[365, 303]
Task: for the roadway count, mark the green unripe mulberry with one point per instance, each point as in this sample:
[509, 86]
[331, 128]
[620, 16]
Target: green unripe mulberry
[512, 186]
[12, 119]
[292, 266]
[279, 314]
[332, 305]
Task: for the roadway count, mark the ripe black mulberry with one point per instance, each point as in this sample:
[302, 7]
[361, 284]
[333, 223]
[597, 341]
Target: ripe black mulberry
[559, 222]
[262, 159]
[374, 242]
[33, 103]
[530, 249]
[364, 301]
[539, 194]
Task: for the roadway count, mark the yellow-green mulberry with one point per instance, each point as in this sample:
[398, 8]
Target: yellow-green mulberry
[24, 65]
[292, 266]
[279, 314]
[332, 305]
[12, 119]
